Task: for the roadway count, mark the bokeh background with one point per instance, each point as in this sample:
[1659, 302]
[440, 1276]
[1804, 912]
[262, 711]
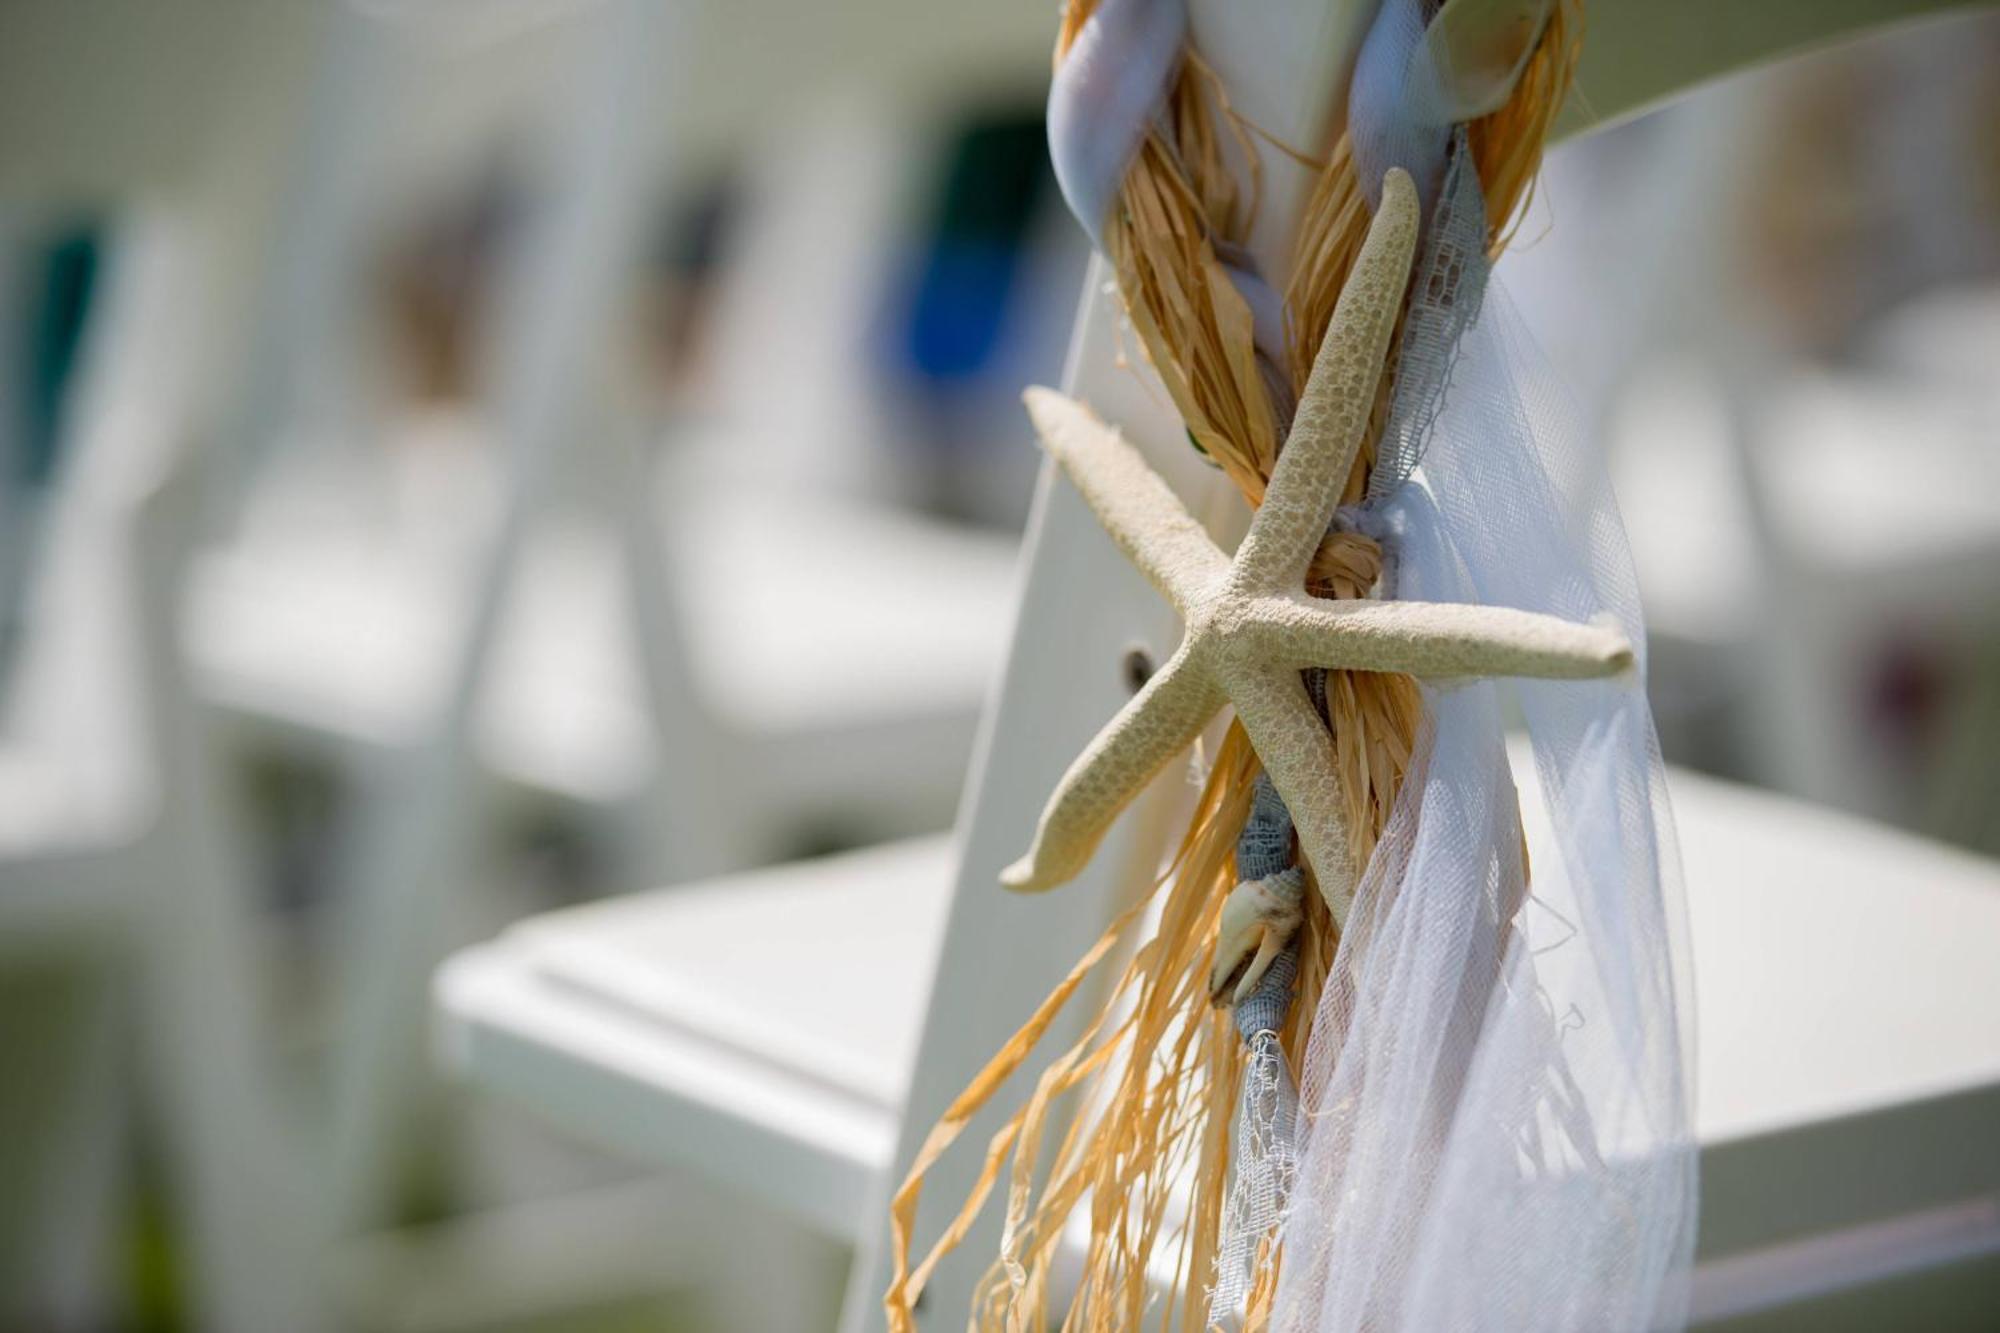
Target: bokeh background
[450, 468]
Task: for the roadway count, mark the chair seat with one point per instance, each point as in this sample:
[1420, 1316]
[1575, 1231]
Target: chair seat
[47, 804]
[1932, 549]
[764, 1022]
[763, 1027]
[68, 858]
[805, 623]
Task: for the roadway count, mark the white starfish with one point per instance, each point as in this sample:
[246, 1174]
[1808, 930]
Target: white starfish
[1251, 626]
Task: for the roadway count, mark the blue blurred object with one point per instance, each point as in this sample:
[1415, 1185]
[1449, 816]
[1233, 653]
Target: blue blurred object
[995, 180]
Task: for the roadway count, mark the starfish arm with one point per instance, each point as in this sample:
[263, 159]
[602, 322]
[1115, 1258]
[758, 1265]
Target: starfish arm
[1437, 639]
[1138, 508]
[1333, 411]
[1158, 722]
[1297, 752]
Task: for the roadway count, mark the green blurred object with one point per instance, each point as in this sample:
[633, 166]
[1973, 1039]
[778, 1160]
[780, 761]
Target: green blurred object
[56, 317]
[152, 1256]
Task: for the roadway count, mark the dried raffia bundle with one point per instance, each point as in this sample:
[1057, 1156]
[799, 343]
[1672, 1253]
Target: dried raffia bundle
[1322, 404]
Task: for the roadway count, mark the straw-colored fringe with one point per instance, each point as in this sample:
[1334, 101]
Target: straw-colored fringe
[1169, 1065]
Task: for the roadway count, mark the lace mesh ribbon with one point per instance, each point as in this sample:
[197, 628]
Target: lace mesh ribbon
[1445, 296]
[1264, 1161]
[1495, 1104]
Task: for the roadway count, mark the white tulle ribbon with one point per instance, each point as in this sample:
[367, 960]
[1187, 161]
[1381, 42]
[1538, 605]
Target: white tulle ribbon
[1495, 1107]
[1424, 68]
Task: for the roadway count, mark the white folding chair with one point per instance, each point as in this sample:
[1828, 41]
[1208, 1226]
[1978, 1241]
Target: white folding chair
[117, 863]
[340, 634]
[770, 1029]
[115, 852]
[1743, 470]
[835, 709]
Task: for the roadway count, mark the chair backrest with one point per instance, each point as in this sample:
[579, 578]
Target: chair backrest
[563, 262]
[1638, 56]
[94, 674]
[557, 308]
[161, 125]
[1083, 608]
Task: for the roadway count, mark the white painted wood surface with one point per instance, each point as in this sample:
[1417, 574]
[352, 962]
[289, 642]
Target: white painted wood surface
[762, 1029]
[689, 1047]
[1639, 55]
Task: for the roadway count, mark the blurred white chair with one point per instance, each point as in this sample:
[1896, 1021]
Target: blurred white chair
[1801, 533]
[115, 855]
[342, 632]
[826, 669]
[1804, 535]
[116, 864]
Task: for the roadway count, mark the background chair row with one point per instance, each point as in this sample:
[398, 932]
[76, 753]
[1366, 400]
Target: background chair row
[702, 684]
[524, 452]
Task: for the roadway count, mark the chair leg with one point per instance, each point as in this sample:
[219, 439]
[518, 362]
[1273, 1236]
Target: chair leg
[60, 1149]
[409, 865]
[241, 1191]
[791, 1277]
[79, 1265]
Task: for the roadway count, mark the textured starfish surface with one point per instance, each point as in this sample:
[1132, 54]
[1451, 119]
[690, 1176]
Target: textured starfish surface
[1251, 626]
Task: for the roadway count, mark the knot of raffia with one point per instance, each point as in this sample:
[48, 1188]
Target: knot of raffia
[1346, 565]
[1353, 561]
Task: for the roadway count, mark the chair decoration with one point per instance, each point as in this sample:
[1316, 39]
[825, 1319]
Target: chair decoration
[1458, 1093]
